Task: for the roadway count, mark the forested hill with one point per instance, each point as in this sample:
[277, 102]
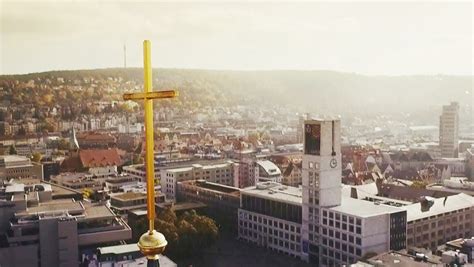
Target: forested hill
[304, 89]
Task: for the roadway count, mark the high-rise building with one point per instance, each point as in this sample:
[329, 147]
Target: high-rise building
[321, 177]
[449, 130]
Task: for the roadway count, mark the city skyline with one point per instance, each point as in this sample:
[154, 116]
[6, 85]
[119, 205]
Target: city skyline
[385, 38]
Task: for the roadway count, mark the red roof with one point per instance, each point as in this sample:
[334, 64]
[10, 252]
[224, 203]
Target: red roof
[99, 157]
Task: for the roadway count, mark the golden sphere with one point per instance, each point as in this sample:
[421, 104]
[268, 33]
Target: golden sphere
[152, 244]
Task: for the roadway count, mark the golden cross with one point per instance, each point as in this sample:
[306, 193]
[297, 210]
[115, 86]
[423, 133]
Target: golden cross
[151, 243]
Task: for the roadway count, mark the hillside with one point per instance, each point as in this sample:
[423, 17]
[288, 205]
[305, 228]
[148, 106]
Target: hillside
[311, 90]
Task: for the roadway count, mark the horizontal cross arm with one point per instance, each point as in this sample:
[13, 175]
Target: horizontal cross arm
[151, 95]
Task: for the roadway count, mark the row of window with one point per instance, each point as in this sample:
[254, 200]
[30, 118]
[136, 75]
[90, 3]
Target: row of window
[342, 247]
[342, 236]
[344, 226]
[269, 222]
[443, 227]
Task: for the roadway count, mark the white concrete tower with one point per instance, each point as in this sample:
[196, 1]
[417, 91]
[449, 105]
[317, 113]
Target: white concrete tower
[321, 178]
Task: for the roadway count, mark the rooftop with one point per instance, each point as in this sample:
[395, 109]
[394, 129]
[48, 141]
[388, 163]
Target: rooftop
[276, 191]
[99, 157]
[129, 249]
[53, 206]
[98, 211]
[269, 167]
[129, 196]
[362, 208]
[440, 205]
[401, 259]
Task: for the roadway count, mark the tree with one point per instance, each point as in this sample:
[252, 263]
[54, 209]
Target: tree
[36, 157]
[187, 234]
[12, 150]
[63, 144]
[419, 184]
[21, 131]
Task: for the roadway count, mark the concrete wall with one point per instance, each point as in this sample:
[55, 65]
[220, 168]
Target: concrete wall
[67, 243]
[19, 256]
[48, 233]
[376, 234]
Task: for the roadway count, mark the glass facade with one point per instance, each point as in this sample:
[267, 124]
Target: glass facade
[281, 210]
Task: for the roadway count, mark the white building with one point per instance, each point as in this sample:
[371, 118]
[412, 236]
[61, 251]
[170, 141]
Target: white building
[270, 216]
[221, 173]
[341, 225]
[267, 171]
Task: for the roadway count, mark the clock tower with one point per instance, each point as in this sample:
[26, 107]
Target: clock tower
[321, 178]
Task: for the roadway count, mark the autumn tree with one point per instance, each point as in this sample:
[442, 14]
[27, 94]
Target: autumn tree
[12, 150]
[187, 234]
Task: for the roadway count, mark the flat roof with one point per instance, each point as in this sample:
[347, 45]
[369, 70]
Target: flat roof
[216, 187]
[399, 259]
[52, 206]
[277, 192]
[363, 208]
[129, 196]
[15, 188]
[188, 206]
[440, 206]
[100, 211]
[183, 169]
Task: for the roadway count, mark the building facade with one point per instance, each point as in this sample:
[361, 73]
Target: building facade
[42, 231]
[270, 216]
[221, 173]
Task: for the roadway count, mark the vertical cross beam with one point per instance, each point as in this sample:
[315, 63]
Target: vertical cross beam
[149, 136]
[152, 243]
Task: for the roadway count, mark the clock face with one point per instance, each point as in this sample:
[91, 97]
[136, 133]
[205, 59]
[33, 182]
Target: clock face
[333, 163]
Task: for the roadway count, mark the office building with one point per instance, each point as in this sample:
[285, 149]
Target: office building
[448, 130]
[220, 173]
[270, 216]
[13, 166]
[222, 201]
[42, 231]
[434, 221]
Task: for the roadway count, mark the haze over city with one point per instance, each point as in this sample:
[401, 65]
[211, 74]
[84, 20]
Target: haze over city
[375, 38]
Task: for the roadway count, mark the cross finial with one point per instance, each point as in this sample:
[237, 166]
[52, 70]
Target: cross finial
[151, 243]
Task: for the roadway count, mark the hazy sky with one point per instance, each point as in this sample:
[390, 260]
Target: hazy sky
[363, 37]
